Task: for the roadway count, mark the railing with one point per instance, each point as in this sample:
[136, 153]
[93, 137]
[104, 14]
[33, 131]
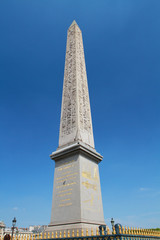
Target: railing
[119, 234]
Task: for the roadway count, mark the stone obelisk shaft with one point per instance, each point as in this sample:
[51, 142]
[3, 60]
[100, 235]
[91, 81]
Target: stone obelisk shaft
[76, 123]
[77, 202]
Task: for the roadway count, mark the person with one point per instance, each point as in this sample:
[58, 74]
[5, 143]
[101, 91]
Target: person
[7, 237]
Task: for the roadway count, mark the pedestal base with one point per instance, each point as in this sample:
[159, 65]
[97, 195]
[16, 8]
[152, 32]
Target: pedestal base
[83, 229]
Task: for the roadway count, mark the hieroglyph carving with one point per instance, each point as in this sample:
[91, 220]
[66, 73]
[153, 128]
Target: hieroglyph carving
[76, 123]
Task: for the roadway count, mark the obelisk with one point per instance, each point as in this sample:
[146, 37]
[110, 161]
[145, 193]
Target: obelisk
[77, 201]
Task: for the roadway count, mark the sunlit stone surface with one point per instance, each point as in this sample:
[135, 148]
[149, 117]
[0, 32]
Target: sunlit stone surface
[77, 202]
[76, 123]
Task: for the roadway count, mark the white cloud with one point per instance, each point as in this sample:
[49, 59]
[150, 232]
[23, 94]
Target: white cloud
[15, 208]
[150, 192]
[142, 189]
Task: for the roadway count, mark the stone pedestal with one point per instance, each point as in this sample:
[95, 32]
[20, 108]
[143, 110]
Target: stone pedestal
[77, 201]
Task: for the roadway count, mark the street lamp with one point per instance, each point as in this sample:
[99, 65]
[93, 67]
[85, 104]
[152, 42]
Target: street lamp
[13, 225]
[112, 222]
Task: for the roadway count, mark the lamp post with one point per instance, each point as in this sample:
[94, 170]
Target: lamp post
[112, 222]
[13, 225]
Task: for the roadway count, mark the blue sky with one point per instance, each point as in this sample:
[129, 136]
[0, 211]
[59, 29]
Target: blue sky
[122, 51]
